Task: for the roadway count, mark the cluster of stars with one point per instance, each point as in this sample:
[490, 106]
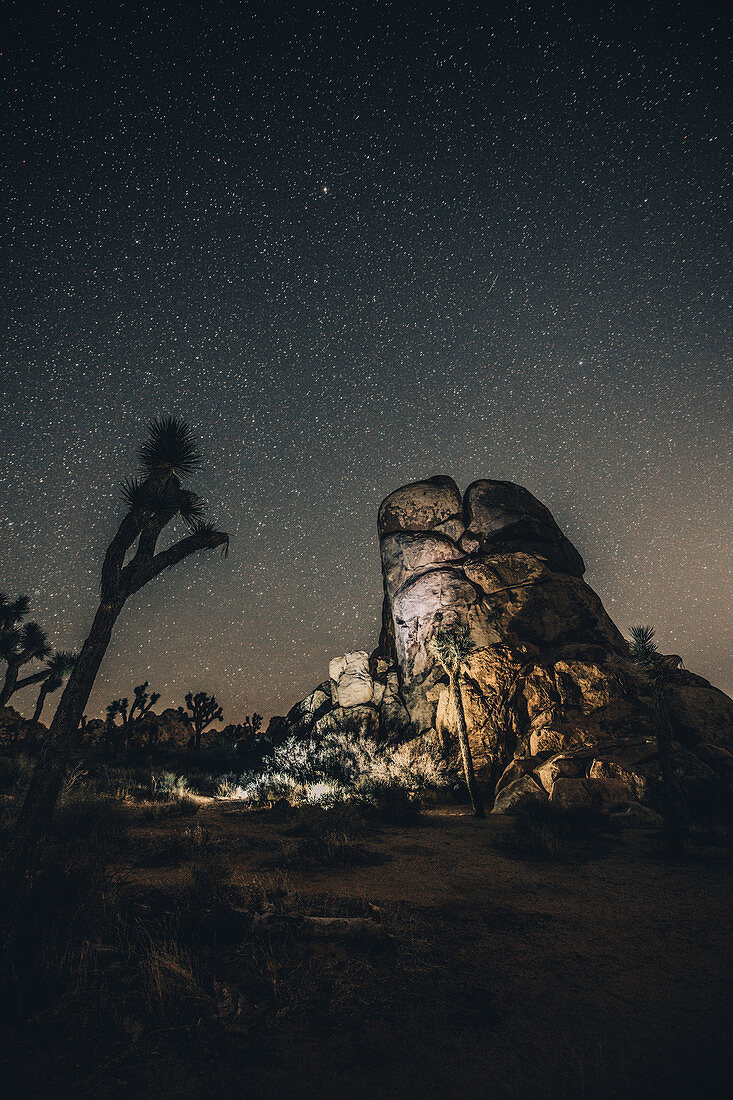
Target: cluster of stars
[354, 250]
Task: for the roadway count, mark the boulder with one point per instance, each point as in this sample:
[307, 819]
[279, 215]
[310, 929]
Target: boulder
[357, 721]
[571, 793]
[394, 718]
[512, 798]
[406, 556]
[420, 506]
[304, 715]
[503, 516]
[549, 685]
[717, 758]
[633, 815]
[555, 767]
[633, 783]
[515, 769]
[351, 681]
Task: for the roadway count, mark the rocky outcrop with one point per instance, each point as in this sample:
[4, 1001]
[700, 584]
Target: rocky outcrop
[549, 691]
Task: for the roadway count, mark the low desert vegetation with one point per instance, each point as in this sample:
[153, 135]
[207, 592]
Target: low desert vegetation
[341, 767]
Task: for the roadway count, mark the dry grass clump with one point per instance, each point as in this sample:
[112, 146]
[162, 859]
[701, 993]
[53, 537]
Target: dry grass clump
[172, 849]
[329, 848]
[388, 802]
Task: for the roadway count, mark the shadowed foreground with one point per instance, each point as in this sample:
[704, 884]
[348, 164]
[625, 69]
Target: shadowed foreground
[503, 977]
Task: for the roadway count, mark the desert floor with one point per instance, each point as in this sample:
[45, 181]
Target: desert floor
[496, 977]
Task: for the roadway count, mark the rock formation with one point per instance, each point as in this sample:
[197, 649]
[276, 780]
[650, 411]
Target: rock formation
[551, 696]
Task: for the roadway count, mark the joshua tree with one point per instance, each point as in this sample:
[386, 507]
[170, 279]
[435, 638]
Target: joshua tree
[19, 645]
[658, 670]
[452, 647]
[116, 709]
[58, 667]
[204, 710]
[250, 727]
[153, 500]
[131, 715]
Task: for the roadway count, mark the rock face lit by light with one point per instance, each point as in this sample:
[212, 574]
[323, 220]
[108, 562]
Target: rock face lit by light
[551, 696]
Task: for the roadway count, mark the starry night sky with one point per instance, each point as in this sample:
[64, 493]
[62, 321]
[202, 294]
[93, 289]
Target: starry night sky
[356, 245]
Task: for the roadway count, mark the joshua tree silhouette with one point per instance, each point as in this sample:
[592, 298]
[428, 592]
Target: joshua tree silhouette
[20, 643]
[131, 714]
[153, 499]
[452, 647]
[658, 670]
[58, 667]
[204, 710]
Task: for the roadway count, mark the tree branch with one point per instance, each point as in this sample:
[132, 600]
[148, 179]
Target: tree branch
[144, 571]
[127, 532]
[36, 678]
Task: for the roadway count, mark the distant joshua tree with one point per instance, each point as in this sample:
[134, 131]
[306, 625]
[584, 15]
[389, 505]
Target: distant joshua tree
[20, 643]
[154, 500]
[131, 715]
[116, 709]
[250, 727]
[204, 710]
[658, 670]
[58, 667]
[452, 647]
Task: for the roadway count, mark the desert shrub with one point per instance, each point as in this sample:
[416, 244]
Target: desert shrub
[311, 819]
[167, 786]
[388, 801]
[541, 830]
[342, 765]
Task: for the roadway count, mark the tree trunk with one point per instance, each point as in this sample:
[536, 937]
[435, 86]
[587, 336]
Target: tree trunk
[40, 800]
[197, 739]
[670, 799]
[39, 704]
[478, 806]
[8, 688]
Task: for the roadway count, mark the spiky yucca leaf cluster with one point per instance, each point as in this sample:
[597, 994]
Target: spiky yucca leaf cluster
[170, 450]
[12, 611]
[205, 527]
[25, 643]
[59, 665]
[645, 652]
[158, 498]
[452, 646]
[169, 454]
[643, 647]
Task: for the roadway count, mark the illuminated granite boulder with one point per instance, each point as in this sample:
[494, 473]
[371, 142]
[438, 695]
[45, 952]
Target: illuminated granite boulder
[351, 681]
[422, 506]
[555, 708]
